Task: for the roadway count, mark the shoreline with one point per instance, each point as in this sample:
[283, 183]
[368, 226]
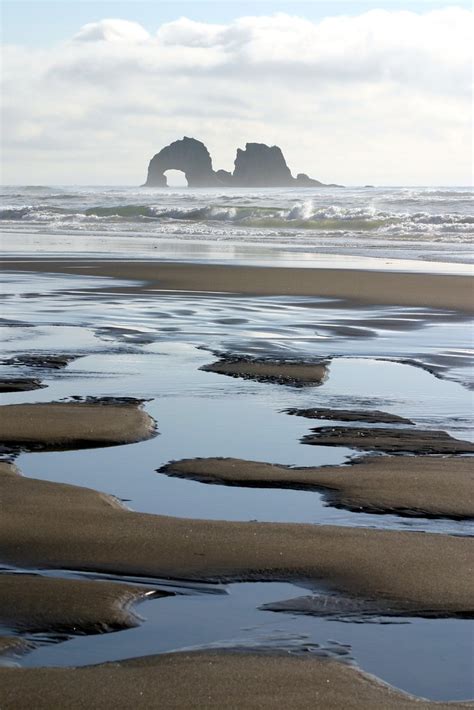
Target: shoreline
[137, 246]
[353, 286]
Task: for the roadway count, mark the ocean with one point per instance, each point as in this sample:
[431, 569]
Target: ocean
[422, 223]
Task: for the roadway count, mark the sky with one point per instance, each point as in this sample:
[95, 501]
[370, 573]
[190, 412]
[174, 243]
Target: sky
[353, 92]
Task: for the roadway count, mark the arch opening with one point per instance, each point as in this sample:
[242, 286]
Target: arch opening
[175, 178]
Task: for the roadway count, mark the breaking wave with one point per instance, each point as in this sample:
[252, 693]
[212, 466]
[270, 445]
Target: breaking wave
[302, 215]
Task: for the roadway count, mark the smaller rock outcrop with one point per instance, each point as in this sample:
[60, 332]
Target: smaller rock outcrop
[305, 181]
[225, 177]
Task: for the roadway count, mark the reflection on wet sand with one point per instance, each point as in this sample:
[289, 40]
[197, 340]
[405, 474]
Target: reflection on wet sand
[143, 344]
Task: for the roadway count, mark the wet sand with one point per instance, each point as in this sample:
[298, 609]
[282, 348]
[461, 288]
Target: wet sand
[64, 425]
[8, 469]
[390, 440]
[69, 527]
[359, 286]
[276, 371]
[46, 604]
[65, 527]
[44, 361]
[408, 485]
[19, 384]
[205, 680]
[372, 416]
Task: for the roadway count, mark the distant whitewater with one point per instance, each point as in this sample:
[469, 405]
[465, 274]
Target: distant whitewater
[415, 223]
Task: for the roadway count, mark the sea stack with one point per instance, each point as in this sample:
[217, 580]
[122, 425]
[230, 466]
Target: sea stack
[258, 165]
[261, 165]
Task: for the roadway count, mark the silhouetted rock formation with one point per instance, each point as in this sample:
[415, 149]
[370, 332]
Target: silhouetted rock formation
[225, 177]
[190, 156]
[259, 165]
[305, 181]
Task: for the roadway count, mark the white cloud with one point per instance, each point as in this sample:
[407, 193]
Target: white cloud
[112, 31]
[188, 33]
[381, 97]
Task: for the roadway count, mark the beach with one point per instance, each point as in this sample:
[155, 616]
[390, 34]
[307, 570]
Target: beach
[238, 462]
[354, 286]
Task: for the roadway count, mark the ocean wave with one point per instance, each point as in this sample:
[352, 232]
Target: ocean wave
[432, 199]
[410, 193]
[455, 218]
[14, 213]
[128, 212]
[37, 188]
[304, 215]
[34, 214]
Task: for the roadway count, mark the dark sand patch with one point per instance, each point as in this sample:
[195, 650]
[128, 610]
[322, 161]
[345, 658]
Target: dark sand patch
[44, 604]
[41, 360]
[110, 400]
[68, 527]
[408, 485]
[372, 416]
[281, 372]
[13, 322]
[417, 441]
[354, 285]
[19, 384]
[207, 680]
[231, 321]
[73, 425]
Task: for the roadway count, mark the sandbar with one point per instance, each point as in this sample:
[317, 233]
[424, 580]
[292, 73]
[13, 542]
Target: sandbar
[41, 360]
[407, 485]
[49, 604]
[371, 416]
[390, 440]
[207, 680]
[68, 527]
[19, 384]
[277, 371]
[72, 425]
[357, 285]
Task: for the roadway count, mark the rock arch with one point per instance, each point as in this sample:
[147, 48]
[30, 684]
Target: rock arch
[188, 155]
